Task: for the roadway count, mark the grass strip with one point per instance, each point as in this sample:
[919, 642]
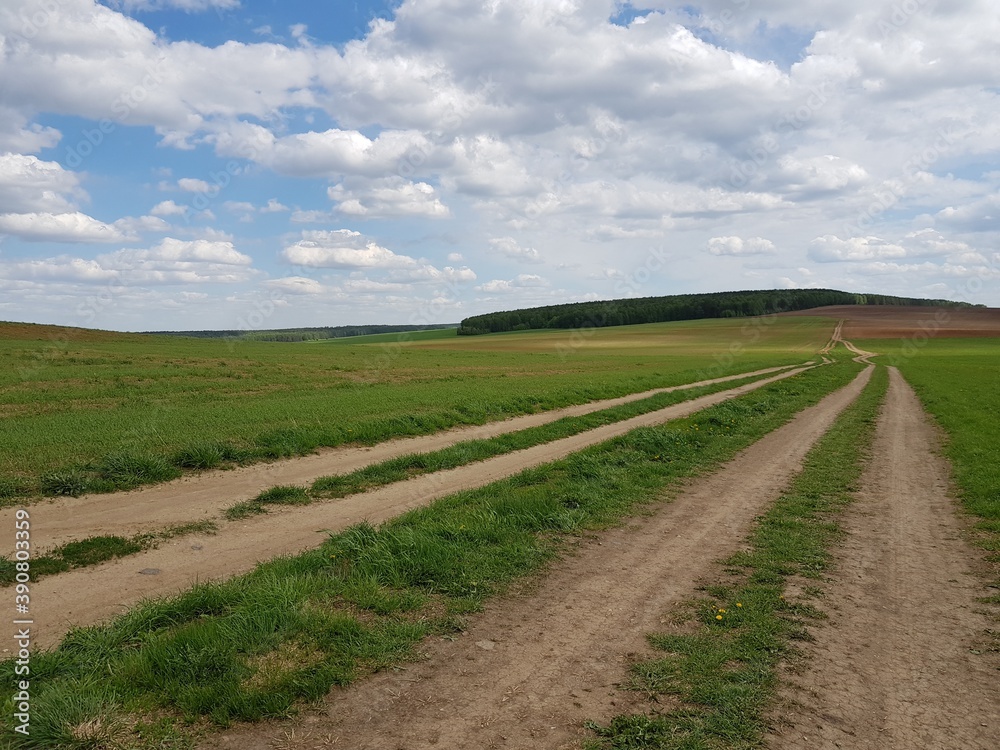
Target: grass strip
[93, 550]
[718, 673]
[255, 646]
[466, 452]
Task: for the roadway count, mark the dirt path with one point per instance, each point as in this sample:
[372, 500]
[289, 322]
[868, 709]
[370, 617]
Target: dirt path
[206, 495]
[897, 667]
[532, 669]
[69, 599]
[837, 338]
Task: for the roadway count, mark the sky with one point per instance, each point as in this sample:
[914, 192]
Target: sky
[253, 164]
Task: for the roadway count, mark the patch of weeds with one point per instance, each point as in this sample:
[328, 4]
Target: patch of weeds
[280, 495]
[65, 482]
[723, 672]
[127, 470]
[205, 455]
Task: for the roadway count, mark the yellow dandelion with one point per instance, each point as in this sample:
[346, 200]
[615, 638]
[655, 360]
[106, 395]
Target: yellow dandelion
[718, 617]
[738, 604]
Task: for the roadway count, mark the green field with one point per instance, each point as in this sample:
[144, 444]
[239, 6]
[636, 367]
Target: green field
[958, 382]
[96, 411]
[259, 645]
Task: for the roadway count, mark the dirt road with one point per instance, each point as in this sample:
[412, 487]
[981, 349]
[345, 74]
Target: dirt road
[901, 664]
[206, 495]
[531, 669]
[68, 599]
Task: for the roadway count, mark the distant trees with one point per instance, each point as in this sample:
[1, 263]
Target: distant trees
[305, 334]
[675, 307]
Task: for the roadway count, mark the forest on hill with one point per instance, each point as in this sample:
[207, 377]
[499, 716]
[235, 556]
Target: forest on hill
[677, 307]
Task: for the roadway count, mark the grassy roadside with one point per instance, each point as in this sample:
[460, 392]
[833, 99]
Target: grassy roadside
[720, 657]
[255, 646]
[466, 452]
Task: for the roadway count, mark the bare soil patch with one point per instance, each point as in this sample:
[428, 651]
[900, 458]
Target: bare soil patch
[531, 669]
[903, 662]
[89, 595]
[891, 322]
[206, 495]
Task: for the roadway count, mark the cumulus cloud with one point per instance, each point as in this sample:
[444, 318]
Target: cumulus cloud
[509, 247]
[738, 246]
[193, 185]
[830, 248]
[295, 285]
[168, 208]
[521, 281]
[343, 249]
[387, 198]
[66, 227]
[29, 184]
[171, 261]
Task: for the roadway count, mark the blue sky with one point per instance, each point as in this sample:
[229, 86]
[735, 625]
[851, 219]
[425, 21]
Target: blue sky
[191, 163]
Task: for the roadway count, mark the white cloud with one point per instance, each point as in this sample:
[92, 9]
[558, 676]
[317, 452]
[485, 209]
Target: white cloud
[738, 246]
[29, 184]
[168, 208]
[273, 207]
[190, 6]
[169, 262]
[390, 197]
[343, 249]
[504, 286]
[510, 247]
[295, 285]
[193, 185]
[234, 206]
[170, 250]
[65, 227]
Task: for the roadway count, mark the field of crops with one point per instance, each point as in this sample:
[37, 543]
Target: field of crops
[97, 412]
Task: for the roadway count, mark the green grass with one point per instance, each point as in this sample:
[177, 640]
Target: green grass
[719, 667]
[257, 645]
[957, 382]
[461, 454]
[94, 550]
[150, 406]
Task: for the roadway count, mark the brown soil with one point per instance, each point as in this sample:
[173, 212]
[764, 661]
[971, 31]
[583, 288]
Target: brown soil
[531, 669]
[89, 595]
[901, 663]
[890, 322]
[204, 496]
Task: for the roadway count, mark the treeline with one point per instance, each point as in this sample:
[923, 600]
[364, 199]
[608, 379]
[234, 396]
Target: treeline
[303, 334]
[676, 307]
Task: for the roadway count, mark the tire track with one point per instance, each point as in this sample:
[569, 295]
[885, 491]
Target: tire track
[898, 666]
[63, 601]
[532, 669]
[206, 495]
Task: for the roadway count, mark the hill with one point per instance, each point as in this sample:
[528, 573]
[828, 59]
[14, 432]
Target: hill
[677, 307]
